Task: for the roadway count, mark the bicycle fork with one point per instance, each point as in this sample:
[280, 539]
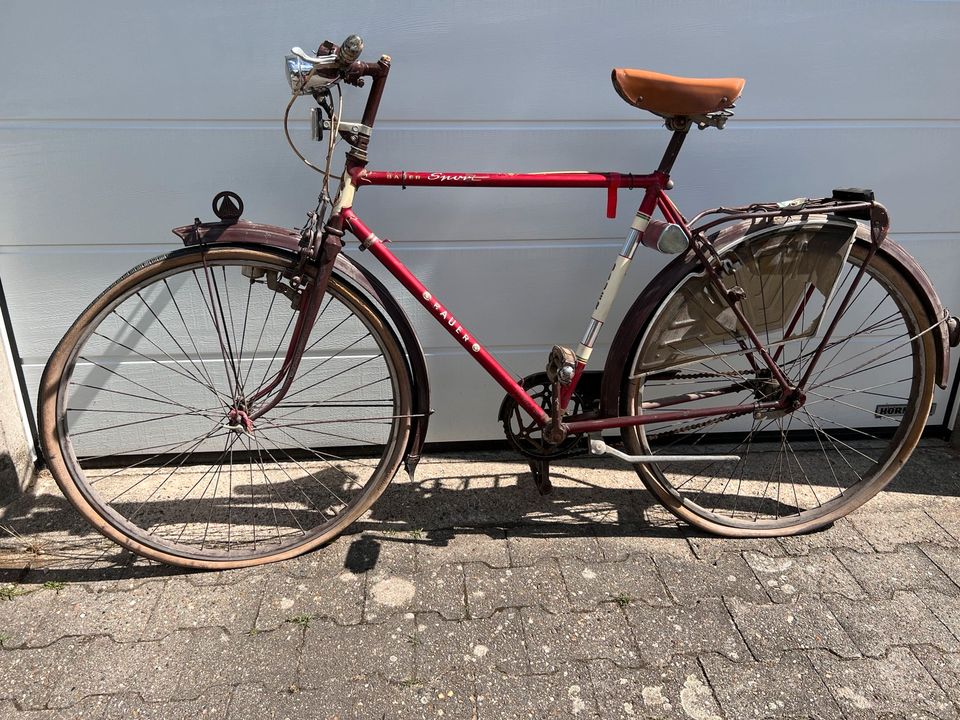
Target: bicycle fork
[311, 295]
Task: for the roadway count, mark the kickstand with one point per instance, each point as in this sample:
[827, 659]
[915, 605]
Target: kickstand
[540, 469]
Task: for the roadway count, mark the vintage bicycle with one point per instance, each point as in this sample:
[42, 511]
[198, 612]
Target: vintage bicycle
[246, 398]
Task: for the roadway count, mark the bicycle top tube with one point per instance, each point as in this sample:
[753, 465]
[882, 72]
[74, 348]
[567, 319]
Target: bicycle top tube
[611, 181]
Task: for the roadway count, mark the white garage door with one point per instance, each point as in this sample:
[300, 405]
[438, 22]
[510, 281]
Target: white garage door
[121, 120]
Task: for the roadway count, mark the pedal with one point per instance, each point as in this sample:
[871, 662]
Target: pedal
[540, 469]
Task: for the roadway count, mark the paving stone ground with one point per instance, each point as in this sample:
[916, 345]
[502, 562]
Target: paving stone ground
[464, 594]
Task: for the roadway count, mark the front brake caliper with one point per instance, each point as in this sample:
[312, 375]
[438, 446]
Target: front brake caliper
[275, 283]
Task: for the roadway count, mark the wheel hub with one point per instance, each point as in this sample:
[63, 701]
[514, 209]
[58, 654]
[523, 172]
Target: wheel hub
[239, 420]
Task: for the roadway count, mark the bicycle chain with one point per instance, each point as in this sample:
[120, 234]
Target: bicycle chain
[705, 423]
[697, 426]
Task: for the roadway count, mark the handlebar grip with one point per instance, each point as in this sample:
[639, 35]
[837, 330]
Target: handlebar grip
[349, 50]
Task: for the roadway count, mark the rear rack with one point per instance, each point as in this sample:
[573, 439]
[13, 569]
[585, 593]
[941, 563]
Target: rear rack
[855, 203]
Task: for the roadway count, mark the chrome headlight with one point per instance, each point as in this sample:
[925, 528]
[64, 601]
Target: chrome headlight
[297, 70]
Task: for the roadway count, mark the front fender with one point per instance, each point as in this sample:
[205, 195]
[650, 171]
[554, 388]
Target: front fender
[244, 232]
[631, 330]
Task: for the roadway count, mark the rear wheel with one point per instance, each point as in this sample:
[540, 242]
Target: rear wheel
[866, 402]
[145, 409]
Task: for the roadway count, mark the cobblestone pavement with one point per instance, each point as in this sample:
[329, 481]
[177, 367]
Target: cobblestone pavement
[466, 595]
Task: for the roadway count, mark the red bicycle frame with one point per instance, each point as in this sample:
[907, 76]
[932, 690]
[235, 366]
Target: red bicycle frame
[654, 198]
[654, 184]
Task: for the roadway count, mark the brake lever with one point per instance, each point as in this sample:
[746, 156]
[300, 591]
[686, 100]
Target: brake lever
[318, 60]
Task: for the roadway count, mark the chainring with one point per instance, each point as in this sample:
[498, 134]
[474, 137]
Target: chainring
[523, 433]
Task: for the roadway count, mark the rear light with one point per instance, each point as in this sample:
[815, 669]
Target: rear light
[666, 237]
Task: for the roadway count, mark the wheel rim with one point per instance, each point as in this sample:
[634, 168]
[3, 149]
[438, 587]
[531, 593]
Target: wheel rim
[176, 468]
[865, 405]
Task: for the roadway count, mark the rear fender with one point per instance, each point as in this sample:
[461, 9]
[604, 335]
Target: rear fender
[248, 233]
[638, 316]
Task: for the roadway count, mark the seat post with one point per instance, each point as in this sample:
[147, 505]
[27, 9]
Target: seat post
[673, 149]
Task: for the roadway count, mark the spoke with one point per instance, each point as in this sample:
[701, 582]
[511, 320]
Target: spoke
[329, 377]
[273, 508]
[206, 529]
[715, 462]
[884, 353]
[320, 456]
[176, 367]
[230, 495]
[833, 442]
[861, 369]
[207, 412]
[805, 477]
[324, 454]
[867, 390]
[330, 434]
[826, 457]
[378, 420]
[213, 471]
[183, 455]
[133, 382]
[763, 294]
[743, 467]
[209, 384]
[263, 381]
[854, 407]
[139, 422]
[120, 392]
[722, 359]
[216, 326]
[766, 486]
[837, 440]
[295, 483]
[233, 328]
[212, 278]
[202, 369]
[366, 385]
[855, 332]
[167, 448]
[263, 328]
[890, 321]
[243, 334]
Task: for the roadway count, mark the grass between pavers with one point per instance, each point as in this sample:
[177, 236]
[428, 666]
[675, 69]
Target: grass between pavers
[304, 620]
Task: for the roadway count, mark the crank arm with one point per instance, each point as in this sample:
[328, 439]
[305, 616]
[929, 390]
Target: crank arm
[599, 447]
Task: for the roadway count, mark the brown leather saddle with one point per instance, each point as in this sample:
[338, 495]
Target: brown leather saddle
[670, 96]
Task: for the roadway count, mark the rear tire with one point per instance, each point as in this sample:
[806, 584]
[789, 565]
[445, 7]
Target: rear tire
[867, 401]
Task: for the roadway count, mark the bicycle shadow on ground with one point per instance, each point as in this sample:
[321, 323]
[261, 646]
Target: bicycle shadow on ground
[42, 538]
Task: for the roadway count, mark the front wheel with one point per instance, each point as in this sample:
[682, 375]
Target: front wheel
[145, 411]
[866, 401]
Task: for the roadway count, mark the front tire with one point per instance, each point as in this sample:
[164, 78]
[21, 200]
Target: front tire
[139, 404]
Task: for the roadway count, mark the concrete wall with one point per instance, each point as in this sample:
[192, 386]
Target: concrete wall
[16, 452]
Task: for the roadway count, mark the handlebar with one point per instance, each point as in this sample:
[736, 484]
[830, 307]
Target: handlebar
[312, 75]
[307, 73]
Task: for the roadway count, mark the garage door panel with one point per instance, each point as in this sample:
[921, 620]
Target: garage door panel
[501, 300]
[470, 61]
[111, 186]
